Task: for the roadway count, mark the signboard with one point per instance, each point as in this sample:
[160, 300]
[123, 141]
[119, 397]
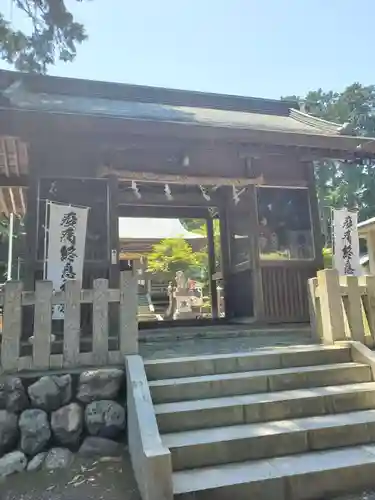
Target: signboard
[346, 242]
[65, 250]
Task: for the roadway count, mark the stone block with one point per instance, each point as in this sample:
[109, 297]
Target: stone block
[98, 446]
[35, 431]
[15, 461]
[105, 419]
[8, 431]
[103, 383]
[67, 424]
[51, 392]
[58, 458]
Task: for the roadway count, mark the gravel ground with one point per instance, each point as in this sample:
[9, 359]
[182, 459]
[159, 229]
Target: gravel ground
[85, 480]
[367, 495]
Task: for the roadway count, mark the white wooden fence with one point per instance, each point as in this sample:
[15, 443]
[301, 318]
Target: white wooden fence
[14, 298]
[342, 307]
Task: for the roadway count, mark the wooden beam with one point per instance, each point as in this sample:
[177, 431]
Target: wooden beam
[5, 156]
[179, 199]
[22, 198]
[13, 201]
[226, 260]
[31, 124]
[31, 232]
[315, 217]
[126, 175]
[16, 159]
[259, 312]
[3, 205]
[113, 233]
[212, 267]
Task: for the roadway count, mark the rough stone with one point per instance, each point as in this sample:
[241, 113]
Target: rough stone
[58, 458]
[16, 399]
[35, 431]
[64, 382]
[95, 385]
[36, 462]
[15, 461]
[105, 418]
[49, 393]
[67, 424]
[99, 446]
[8, 431]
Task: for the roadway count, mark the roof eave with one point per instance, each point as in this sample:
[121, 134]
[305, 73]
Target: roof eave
[332, 145]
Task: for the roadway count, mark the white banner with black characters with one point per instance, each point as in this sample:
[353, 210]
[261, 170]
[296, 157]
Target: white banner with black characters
[346, 242]
[66, 246]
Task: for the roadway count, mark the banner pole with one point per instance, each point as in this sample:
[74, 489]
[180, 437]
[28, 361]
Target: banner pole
[45, 241]
[10, 246]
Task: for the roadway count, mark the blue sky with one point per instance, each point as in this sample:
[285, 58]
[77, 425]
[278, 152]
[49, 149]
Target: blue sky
[264, 48]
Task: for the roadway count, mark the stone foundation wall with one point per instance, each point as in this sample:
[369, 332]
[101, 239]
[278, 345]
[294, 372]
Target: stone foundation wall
[43, 422]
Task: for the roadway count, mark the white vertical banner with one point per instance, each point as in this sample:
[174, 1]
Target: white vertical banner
[66, 246]
[346, 242]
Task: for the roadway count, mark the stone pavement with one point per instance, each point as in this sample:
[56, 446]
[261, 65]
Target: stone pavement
[224, 340]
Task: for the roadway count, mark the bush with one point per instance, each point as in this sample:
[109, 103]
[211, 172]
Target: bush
[327, 257]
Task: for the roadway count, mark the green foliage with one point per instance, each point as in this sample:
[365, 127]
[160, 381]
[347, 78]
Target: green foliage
[198, 226]
[341, 184]
[194, 225]
[327, 257]
[53, 35]
[172, 255]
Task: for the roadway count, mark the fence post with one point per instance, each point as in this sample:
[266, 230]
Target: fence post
[370, 292]
[128, 313]
[100, 322]
[314, 309]
[355, 319]
[331, 306]
[42, 324]
[72, 322]
[12, 321]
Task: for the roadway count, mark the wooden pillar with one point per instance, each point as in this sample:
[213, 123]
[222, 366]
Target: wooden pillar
[31, 222]
[315, 216]
[258, 299]
[212, 266]
[113, 233]
[225, 260]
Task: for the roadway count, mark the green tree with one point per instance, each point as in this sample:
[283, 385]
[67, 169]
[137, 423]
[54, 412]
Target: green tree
[172, 255]
[346, 184]
[53, 34]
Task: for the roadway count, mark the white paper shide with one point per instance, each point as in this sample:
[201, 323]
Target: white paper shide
[346, 242]
[66, 246]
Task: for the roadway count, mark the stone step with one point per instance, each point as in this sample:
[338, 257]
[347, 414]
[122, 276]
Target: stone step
[206, 447]
[282, 379]
[252, 408]
[305, 476]
[259, 359]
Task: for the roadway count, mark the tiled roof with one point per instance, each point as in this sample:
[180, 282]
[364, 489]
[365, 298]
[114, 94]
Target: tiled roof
[296, 121]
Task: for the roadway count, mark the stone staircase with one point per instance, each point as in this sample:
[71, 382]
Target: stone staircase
[145, 309]
[282, 424]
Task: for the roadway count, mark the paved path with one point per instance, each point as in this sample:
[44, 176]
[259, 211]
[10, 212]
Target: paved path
[220, 342]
